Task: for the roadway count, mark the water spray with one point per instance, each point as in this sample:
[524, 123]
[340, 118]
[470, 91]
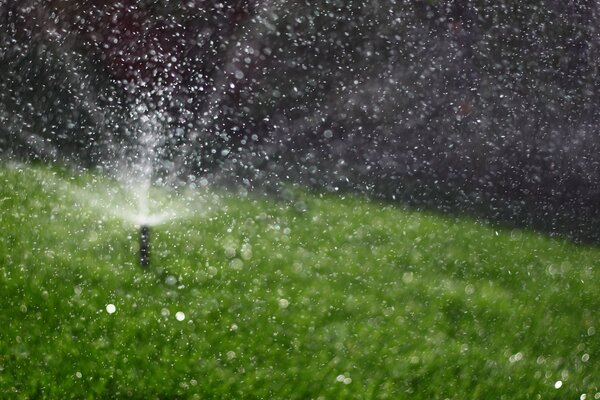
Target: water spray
[144, 246]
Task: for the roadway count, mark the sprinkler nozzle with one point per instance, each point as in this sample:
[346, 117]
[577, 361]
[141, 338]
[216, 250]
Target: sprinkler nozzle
[144, 246]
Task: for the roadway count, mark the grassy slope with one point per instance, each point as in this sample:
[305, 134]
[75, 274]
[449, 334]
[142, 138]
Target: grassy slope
[405, 304]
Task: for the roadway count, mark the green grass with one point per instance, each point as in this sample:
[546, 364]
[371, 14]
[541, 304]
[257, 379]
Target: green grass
[282, 303]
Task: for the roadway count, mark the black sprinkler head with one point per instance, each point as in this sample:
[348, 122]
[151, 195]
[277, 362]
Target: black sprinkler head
[144, 246]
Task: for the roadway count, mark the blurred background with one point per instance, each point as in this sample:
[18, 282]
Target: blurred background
[483, 107]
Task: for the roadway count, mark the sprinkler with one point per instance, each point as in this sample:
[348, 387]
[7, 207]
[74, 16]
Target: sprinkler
[144, 246]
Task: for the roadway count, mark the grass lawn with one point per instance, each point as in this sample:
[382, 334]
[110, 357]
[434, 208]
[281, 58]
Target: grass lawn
[319, 297]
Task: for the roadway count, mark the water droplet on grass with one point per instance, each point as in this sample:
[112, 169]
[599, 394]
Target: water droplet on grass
[246, 251]
[284, 303]
[558, 384]
[237, 264]
[170, 280]
[179, 316]
[110, 308]
[515, 357]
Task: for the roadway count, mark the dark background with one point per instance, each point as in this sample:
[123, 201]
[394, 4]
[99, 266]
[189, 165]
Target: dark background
[482, 107]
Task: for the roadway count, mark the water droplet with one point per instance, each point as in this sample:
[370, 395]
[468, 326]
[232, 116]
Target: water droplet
[558, 384]
[233, 327]
[246, 251]
[515, 357]
[170, 280]
[585, 357]
[591, 331]
[179, 316]
[78, 375]
[231, 355]
[110, 308]
[284, 303]
[237, 264]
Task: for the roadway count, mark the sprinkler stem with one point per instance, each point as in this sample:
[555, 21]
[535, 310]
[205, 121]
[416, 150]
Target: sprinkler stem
[144, 246]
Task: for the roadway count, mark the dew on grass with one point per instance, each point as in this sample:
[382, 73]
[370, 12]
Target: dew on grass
[165, 312]
[233, 327]
[110, 308]
[179, 316]
[231, 355]
[585, 357]
[78, 375]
